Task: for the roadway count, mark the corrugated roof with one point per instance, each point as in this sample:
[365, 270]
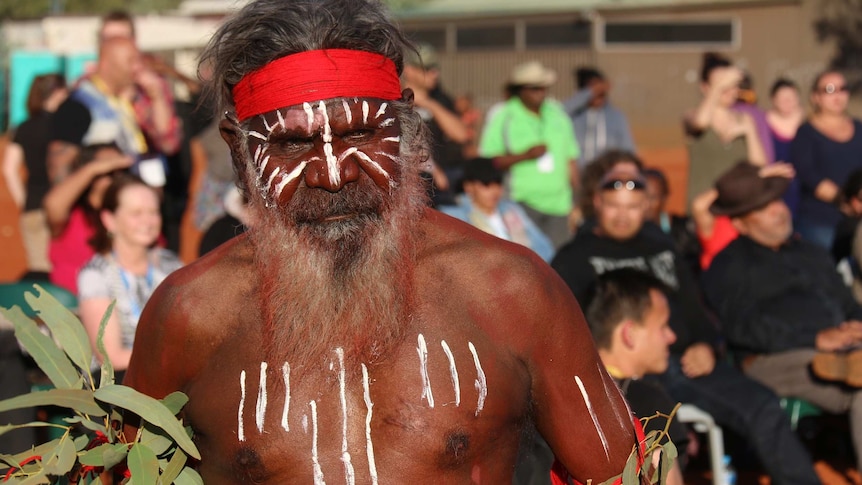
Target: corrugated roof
[490, 8]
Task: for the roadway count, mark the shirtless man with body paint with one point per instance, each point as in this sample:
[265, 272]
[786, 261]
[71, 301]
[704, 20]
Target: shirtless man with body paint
[353, 335]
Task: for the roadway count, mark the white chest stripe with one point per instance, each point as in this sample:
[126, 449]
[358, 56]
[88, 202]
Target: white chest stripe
[369, 446]
[285, 372]
[453, 371]
[260, 409]
[345, 455]
[422, 349]
[481, 384]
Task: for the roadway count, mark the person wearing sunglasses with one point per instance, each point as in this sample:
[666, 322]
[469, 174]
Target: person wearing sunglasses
[825, 151]
[694, 375]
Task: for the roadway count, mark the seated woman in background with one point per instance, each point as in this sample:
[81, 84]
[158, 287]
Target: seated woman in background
[126, 266]
[484, 207]
[72, 210]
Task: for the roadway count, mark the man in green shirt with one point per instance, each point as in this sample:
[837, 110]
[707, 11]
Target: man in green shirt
[532, 137]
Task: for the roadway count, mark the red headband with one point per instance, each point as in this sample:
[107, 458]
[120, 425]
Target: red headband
[316, 75]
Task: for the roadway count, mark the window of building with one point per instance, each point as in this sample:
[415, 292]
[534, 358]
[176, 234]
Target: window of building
[714, 33]
[477, 38]
[434, 37]
[563, 35]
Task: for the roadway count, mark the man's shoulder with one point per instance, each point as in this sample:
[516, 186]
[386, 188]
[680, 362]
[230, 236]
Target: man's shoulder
[214, 282]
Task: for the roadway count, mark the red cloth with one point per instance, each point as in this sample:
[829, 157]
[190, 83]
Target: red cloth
[559, 474]
[723, 233]
[316, 75]
[70, 251]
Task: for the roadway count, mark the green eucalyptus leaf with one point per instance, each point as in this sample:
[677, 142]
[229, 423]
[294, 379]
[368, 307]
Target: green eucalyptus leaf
[77, 399]
[630, 472]
[149, 410]
[156, 439]
[40, 450]
[64, 325]
[175, 401]
[39, 478]
[81, 442]
[189, 477]
[53, 361]
[107, 368]
[144, 465]
[34, 424]
[62, 459]
[107, 455]
[87, 423]
[174, 467]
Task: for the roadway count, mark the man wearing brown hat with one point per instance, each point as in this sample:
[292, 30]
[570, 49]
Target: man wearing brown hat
[784, 308]
[533, 138]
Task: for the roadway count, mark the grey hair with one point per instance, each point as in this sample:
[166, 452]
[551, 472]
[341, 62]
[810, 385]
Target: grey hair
[266, 30]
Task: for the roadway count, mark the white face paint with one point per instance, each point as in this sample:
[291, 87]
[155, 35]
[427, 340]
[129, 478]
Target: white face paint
[348, 113]
[386, 123]
[260, 409]
[369, 446]
[480, 384]
[331, 159]
[365, 112]
[453, 371]
[345, 455]
[423, 368]
[596, 423]
[318, 472]
[285, 372]
[240, 428]
[381, 110]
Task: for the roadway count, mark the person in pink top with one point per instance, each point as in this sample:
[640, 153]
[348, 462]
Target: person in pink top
[71, 208]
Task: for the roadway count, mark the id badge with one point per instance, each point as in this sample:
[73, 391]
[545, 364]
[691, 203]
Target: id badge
[545, 163]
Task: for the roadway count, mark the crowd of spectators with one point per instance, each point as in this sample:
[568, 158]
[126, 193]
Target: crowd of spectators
[730, 306]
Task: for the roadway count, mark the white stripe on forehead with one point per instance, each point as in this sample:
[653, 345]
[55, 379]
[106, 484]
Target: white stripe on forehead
[296, 172]
[347, 111]
[266, 123]
[365, 112]
[309, 113]
[331, 159]
[381, 110]
[280, 119]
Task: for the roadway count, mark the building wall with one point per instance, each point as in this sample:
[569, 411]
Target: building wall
[654, 86]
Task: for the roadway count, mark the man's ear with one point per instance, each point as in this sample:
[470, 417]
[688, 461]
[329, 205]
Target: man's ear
[627, 334]
[740, 225]
[407, 96]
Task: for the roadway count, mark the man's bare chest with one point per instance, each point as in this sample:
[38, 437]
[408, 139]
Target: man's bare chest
[435, 402]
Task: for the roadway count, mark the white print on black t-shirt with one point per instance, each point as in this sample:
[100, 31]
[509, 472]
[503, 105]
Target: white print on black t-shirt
[661, 265]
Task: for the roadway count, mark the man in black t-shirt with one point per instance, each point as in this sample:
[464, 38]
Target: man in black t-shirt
[437, 109]
[693, 374]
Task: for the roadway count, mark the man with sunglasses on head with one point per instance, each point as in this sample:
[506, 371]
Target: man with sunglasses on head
[532, 137]
[694, 375]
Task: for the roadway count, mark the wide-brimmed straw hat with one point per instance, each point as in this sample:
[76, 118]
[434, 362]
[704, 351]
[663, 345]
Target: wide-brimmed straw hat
[532, 73]
[742, 190]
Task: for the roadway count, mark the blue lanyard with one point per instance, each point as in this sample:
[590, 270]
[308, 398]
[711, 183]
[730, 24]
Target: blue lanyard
[136, 304]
